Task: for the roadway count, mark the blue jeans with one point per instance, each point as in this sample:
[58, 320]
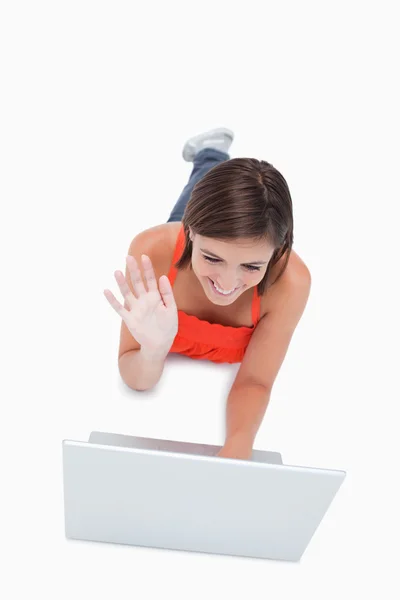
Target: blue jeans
[204, 160]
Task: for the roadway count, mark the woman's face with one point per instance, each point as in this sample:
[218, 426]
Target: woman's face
[231, 266]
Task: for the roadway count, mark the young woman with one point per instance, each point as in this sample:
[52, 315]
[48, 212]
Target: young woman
[222, 282]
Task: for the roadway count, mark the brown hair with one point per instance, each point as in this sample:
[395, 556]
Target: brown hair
[241, 198]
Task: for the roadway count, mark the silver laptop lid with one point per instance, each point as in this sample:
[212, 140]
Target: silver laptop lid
[125, 492]
[130, 441]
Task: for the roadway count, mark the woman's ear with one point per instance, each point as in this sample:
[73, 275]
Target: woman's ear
[191, 236]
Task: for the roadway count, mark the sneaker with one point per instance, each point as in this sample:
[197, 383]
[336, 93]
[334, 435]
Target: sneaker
[220, 139]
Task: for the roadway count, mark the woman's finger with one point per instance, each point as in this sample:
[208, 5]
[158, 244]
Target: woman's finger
[125, 289]
[149, 273]
[135, 275]
[117, 306]
[167, 292]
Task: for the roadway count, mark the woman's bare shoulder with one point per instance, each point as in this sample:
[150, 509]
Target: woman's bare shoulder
[158, 242]
[157, 236]
[295, 275]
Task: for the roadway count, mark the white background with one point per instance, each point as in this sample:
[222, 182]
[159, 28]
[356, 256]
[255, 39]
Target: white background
[97, 100]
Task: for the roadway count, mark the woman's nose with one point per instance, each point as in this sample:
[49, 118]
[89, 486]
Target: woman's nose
[228, 283]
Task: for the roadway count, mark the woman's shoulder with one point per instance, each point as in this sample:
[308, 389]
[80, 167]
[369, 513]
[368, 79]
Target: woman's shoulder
[164, 235]
[159, 243]
[294, 277]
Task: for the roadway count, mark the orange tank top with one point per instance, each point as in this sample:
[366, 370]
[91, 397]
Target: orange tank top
[203, 340]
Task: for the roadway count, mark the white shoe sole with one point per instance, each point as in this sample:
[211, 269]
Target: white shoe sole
[189, 150]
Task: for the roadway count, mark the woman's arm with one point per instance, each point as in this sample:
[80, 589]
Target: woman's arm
[251, 390]
[245, 411]
[141, 370]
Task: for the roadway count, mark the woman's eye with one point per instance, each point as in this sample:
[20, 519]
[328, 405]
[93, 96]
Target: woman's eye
[251, 268]
[216, 260]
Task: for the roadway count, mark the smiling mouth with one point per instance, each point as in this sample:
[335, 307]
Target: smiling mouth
[220, 293]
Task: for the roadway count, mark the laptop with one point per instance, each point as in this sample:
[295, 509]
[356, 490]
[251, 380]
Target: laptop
[180, 496]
